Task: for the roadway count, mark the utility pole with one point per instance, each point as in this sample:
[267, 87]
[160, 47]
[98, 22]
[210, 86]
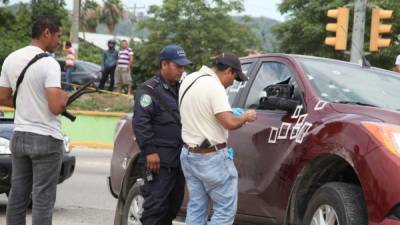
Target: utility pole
[133, 10]
[357, 42]
[75, 27]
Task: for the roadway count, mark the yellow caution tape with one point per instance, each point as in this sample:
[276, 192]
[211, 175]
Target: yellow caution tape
[102, 91]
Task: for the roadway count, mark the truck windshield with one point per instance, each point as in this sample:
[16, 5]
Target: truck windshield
[342, 82]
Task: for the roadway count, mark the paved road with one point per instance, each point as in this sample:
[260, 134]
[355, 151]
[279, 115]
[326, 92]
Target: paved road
[83, 199]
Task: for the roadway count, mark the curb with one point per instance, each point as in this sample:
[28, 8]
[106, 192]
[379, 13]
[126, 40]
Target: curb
[88, 144]
[96, 113]
[79, 112]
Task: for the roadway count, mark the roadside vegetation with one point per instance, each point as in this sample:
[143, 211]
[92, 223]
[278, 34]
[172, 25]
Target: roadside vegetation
[203, 30]
[103, 102]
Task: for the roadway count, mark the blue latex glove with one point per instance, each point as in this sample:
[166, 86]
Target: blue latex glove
[237, 111]
[231, 153]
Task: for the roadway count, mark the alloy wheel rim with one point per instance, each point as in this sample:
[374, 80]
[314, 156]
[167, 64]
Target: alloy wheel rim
[136, 210]
[325, 215]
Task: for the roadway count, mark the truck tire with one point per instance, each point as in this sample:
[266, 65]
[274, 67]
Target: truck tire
[337, 203]
[133, 207]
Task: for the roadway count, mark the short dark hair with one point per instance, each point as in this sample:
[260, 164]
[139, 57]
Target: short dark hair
[53, 23]
[68, 44]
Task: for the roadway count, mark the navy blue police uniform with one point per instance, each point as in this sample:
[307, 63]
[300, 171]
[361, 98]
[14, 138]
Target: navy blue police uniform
[157, 131]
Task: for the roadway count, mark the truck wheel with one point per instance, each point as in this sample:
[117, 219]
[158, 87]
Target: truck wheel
[337, 203]
[133, 207]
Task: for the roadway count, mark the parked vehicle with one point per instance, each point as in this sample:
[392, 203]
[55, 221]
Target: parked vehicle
[325, 148]
[83, 73]
[6, 129]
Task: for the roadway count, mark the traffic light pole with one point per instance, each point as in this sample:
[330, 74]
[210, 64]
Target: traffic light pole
[357, 42]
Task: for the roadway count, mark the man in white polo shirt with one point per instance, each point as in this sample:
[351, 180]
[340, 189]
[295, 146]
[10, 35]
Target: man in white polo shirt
[206, 118]
[37, 141]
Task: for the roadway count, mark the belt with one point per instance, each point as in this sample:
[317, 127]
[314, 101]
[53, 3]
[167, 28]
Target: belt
[205, 150]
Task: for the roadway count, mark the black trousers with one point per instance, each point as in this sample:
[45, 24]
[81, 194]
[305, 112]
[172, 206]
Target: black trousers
[108, 71]
[163, 197]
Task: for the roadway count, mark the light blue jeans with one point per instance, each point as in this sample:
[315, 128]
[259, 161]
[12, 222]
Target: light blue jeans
[68, 78]
[210, 176]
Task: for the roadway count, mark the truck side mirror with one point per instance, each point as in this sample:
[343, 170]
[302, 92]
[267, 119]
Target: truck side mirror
[279, 97]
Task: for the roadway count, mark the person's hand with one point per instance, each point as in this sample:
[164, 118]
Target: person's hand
[153, 162]
[250, 115]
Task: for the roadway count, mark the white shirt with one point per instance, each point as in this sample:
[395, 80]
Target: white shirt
[32, 111]
[397, 61]
[205, 98]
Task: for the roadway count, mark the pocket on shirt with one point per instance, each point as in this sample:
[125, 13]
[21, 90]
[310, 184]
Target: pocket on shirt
[166, 116]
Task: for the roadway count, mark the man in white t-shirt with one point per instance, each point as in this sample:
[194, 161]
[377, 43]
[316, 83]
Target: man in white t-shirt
[206, 118]
[37, 141]
[397, 64]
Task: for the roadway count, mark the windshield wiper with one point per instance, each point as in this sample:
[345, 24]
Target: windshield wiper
[357, 103]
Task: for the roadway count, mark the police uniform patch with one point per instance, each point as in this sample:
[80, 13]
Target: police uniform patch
[145, 100]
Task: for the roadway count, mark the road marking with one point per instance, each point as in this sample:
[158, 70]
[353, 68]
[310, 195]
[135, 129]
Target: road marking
[178, 223]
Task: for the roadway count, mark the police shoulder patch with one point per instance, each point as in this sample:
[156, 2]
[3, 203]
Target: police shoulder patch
[145, 100]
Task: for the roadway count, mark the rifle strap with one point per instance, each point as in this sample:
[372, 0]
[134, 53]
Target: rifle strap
[22, 75]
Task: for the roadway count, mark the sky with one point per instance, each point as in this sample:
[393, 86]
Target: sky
[256, 8]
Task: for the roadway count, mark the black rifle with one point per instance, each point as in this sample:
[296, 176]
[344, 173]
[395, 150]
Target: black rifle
[89, 87]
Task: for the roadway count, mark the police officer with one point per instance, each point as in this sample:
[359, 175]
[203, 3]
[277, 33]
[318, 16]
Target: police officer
[157, 127]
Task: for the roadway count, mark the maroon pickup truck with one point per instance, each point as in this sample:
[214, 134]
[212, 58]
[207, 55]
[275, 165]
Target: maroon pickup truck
[325, 148]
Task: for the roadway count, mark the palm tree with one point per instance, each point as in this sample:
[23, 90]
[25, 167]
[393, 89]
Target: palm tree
[111, 14]
[90, 17]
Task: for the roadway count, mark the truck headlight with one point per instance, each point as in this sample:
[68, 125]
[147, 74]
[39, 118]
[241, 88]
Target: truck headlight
[387, 134]
[4, 146]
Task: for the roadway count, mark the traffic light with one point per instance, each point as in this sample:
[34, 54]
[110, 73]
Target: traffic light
[341, 14]
[377, 28]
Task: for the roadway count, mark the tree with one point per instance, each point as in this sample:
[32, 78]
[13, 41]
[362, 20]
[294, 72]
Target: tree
[90, 16]
[112, 12]
[203, 28]
[14, 30]
[46, 7]
[16, 22]
[55, 8]
[304, 31]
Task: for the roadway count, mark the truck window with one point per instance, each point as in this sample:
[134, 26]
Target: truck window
[233, 90]
[268, 74]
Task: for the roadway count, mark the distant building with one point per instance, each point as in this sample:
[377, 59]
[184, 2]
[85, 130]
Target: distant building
[100, 40]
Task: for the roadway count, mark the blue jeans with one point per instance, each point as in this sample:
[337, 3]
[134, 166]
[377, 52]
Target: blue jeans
[36, 164]
[210, 176]
[68, 78]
